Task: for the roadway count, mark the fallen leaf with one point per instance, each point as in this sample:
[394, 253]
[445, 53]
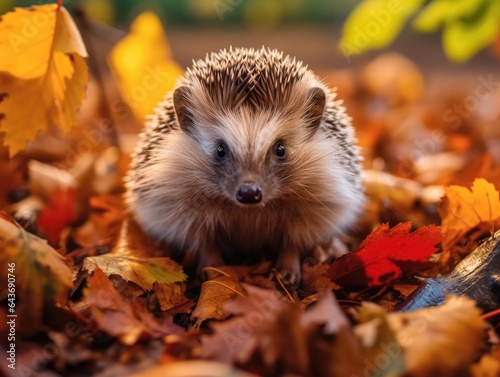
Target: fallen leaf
[124, 319]
[468, 215]
[214, 294]
[60, 213]
[143, 64]
[315, 279]
[41, 69]
[193, 368]
[443, 340]
[144, 272]
[383, 354]
[170, 296]
[334, 349]
[37, 271]
[317, 342]
[236, 339]
[385, 255]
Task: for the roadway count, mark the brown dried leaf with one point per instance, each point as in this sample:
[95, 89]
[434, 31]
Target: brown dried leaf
[126, 320]
[285, 338]
[170, 295]
[315, 279]
[235, 340]
[214, 294]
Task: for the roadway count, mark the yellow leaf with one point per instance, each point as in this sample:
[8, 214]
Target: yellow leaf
[469, 213]
[469, 25]
[443, 340]
[374, 24]
[438, 12]
[143, 65]
[42, 72]
[463, 38]
[39, 275]
[142, 271]
[213, 295]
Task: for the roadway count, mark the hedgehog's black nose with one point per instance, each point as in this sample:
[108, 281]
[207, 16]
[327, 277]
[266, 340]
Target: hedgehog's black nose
[249, 193]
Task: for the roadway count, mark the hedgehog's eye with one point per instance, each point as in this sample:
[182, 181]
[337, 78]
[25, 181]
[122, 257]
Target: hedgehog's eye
[280, 150]
[221, 151]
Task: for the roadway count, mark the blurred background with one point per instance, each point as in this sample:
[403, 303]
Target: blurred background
[308, 29]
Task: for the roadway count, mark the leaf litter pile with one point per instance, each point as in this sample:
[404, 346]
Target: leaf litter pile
[85, 306]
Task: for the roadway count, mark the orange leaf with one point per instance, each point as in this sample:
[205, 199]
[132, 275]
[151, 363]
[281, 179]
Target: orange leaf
[385, 255]
[469, 213]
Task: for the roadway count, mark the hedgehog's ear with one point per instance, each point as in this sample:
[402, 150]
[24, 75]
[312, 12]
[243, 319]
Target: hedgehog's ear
[316, 102]
[182, 97]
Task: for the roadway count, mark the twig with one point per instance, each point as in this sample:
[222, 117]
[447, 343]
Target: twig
[81, 250]
[491, 314]
[225, 285]
[217, 270]
[279, 279]
[349, 302]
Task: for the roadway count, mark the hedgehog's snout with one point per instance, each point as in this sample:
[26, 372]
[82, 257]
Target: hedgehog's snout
[249, 193]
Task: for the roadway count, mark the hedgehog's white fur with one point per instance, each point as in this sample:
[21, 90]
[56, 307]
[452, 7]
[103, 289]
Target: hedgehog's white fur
[248, 99]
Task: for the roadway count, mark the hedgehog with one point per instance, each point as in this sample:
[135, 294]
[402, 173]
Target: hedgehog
[250, 155]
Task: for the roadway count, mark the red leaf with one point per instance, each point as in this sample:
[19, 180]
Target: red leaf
[386, 254]
[60, 212]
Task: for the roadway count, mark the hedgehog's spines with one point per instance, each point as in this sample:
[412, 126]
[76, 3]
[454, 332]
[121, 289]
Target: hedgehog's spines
[261, 78]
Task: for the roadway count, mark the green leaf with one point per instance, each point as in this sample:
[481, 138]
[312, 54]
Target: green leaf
[438, 12]
[463, 38]
[142, 271]
[374, 24]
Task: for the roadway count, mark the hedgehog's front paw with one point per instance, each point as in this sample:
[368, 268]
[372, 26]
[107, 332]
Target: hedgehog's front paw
[288, 265]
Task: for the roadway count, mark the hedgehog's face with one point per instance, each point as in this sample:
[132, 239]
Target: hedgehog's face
[247, 166]
[256, 157]
[249, 181]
